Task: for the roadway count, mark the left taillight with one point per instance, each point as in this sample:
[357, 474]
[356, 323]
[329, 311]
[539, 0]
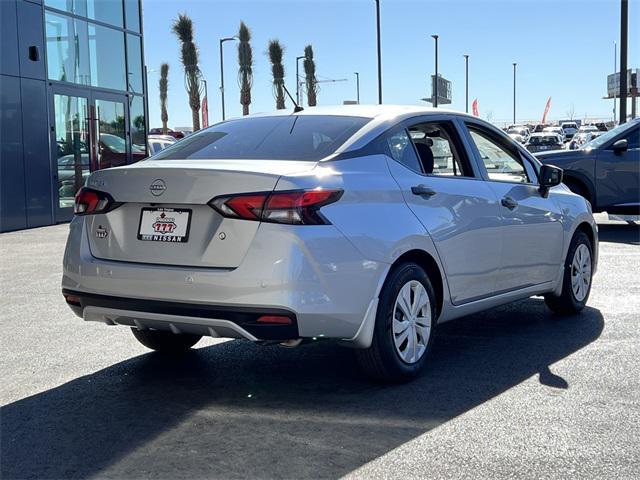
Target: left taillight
[297, 207]
[89, 202]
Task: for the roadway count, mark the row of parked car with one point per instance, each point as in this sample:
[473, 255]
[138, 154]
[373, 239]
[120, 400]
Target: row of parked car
[567, 135]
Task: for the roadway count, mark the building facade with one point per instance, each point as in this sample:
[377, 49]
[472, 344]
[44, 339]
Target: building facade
[73, 99]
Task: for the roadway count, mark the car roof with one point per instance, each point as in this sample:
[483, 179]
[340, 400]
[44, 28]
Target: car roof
[381, 118]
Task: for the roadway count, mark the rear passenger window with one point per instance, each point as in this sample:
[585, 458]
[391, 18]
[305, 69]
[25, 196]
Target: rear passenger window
[398, 145]
[439, 150]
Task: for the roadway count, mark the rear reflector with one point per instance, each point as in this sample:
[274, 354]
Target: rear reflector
[275, 319]
[299, 207]
[72, 299]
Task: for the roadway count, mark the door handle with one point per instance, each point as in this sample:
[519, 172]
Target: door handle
[422, 190]
[509, 202]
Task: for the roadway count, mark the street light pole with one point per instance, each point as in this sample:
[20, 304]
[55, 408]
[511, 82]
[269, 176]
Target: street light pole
[624, 30]
[222, 40]
[514, 93]
[435, 82]
[615, 70]
[379, 50]
[466, 83]
[357, 87]
[298, 79]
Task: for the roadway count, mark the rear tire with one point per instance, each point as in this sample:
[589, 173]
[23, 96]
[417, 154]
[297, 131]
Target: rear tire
[165, 342]
[577, 279]
[403, 331]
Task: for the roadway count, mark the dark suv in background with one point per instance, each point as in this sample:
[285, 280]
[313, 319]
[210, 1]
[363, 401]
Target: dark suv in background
[606, 170]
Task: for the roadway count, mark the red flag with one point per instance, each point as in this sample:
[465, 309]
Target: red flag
[205, 113]
[546, 110]
[474, 106]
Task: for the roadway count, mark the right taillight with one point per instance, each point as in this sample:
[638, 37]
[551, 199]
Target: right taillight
[297, 207]
[89, 201]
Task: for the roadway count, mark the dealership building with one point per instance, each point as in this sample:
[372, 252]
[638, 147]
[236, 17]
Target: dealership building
[73, 99]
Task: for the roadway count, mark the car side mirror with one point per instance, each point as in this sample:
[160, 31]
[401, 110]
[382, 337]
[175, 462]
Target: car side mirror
[620, 146]
[550, 176]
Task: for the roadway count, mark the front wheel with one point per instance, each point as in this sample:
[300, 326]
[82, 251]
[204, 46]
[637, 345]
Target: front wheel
[404, 326]
[165, 342]
[576, 284]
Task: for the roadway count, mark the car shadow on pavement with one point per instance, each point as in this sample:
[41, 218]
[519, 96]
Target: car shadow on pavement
[619, 233]
[241, 410]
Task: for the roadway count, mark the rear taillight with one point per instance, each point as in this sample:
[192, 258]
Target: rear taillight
[89, 201]
[299, 207]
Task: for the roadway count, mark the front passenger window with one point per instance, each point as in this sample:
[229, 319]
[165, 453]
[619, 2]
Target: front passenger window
[501, 165]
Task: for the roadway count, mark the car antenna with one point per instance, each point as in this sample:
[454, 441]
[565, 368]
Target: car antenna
[297, 107]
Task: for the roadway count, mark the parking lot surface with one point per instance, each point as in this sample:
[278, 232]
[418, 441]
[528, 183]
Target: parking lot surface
[512, 392]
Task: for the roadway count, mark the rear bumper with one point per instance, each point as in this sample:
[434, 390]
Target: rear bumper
[314, 274]
[211, 320]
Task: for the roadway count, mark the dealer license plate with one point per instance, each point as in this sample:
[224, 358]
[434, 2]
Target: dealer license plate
[164, 225]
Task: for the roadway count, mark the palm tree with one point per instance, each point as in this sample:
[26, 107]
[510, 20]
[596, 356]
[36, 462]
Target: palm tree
[311, 81]
[163, 86]
[183, 28]
[245, 70]
[275, 55]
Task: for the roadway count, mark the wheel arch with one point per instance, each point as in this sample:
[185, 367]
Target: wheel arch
[430, 266]
[571, 177]
[364, 335]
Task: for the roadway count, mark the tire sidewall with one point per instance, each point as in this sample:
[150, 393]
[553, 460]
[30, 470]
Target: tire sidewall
[383, 332]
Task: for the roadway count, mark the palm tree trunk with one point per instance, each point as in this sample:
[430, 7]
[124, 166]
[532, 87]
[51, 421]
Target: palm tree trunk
[195, 118]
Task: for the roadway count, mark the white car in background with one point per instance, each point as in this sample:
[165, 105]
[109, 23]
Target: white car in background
[158, 143]
[557, 130]
[569, 129]
[370, 225]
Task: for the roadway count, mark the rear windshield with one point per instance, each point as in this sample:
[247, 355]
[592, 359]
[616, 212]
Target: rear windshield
[290, 137]
[551, 140]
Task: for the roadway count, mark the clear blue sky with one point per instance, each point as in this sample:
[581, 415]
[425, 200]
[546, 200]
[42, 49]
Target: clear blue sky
[564, 49]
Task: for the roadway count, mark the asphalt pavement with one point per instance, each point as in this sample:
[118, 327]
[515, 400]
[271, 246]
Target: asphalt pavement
[514, 392]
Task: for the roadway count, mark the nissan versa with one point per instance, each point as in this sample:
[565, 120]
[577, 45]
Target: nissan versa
[370, 225]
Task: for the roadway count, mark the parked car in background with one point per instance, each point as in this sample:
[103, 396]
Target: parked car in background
[539, 128]
[606, 170]
[541, 142]
[557, 130]
[159, 142]
[587, 128]
[517, 137]
[569, 129]
[268, 228]
[581, 138]
[174, 133]
[519, 130]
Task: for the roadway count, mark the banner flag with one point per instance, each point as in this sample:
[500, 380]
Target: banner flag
[474, 106]
[205, 113]
[546, 110]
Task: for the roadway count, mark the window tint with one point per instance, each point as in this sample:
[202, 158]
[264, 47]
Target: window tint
[134, 64]
[106, 52]
[399, 147]
[286, 137]
[133, 14]
[501, 165]
[438, 149]
[67, 51]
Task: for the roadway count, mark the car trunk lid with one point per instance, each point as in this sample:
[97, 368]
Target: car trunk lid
[164, 217]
